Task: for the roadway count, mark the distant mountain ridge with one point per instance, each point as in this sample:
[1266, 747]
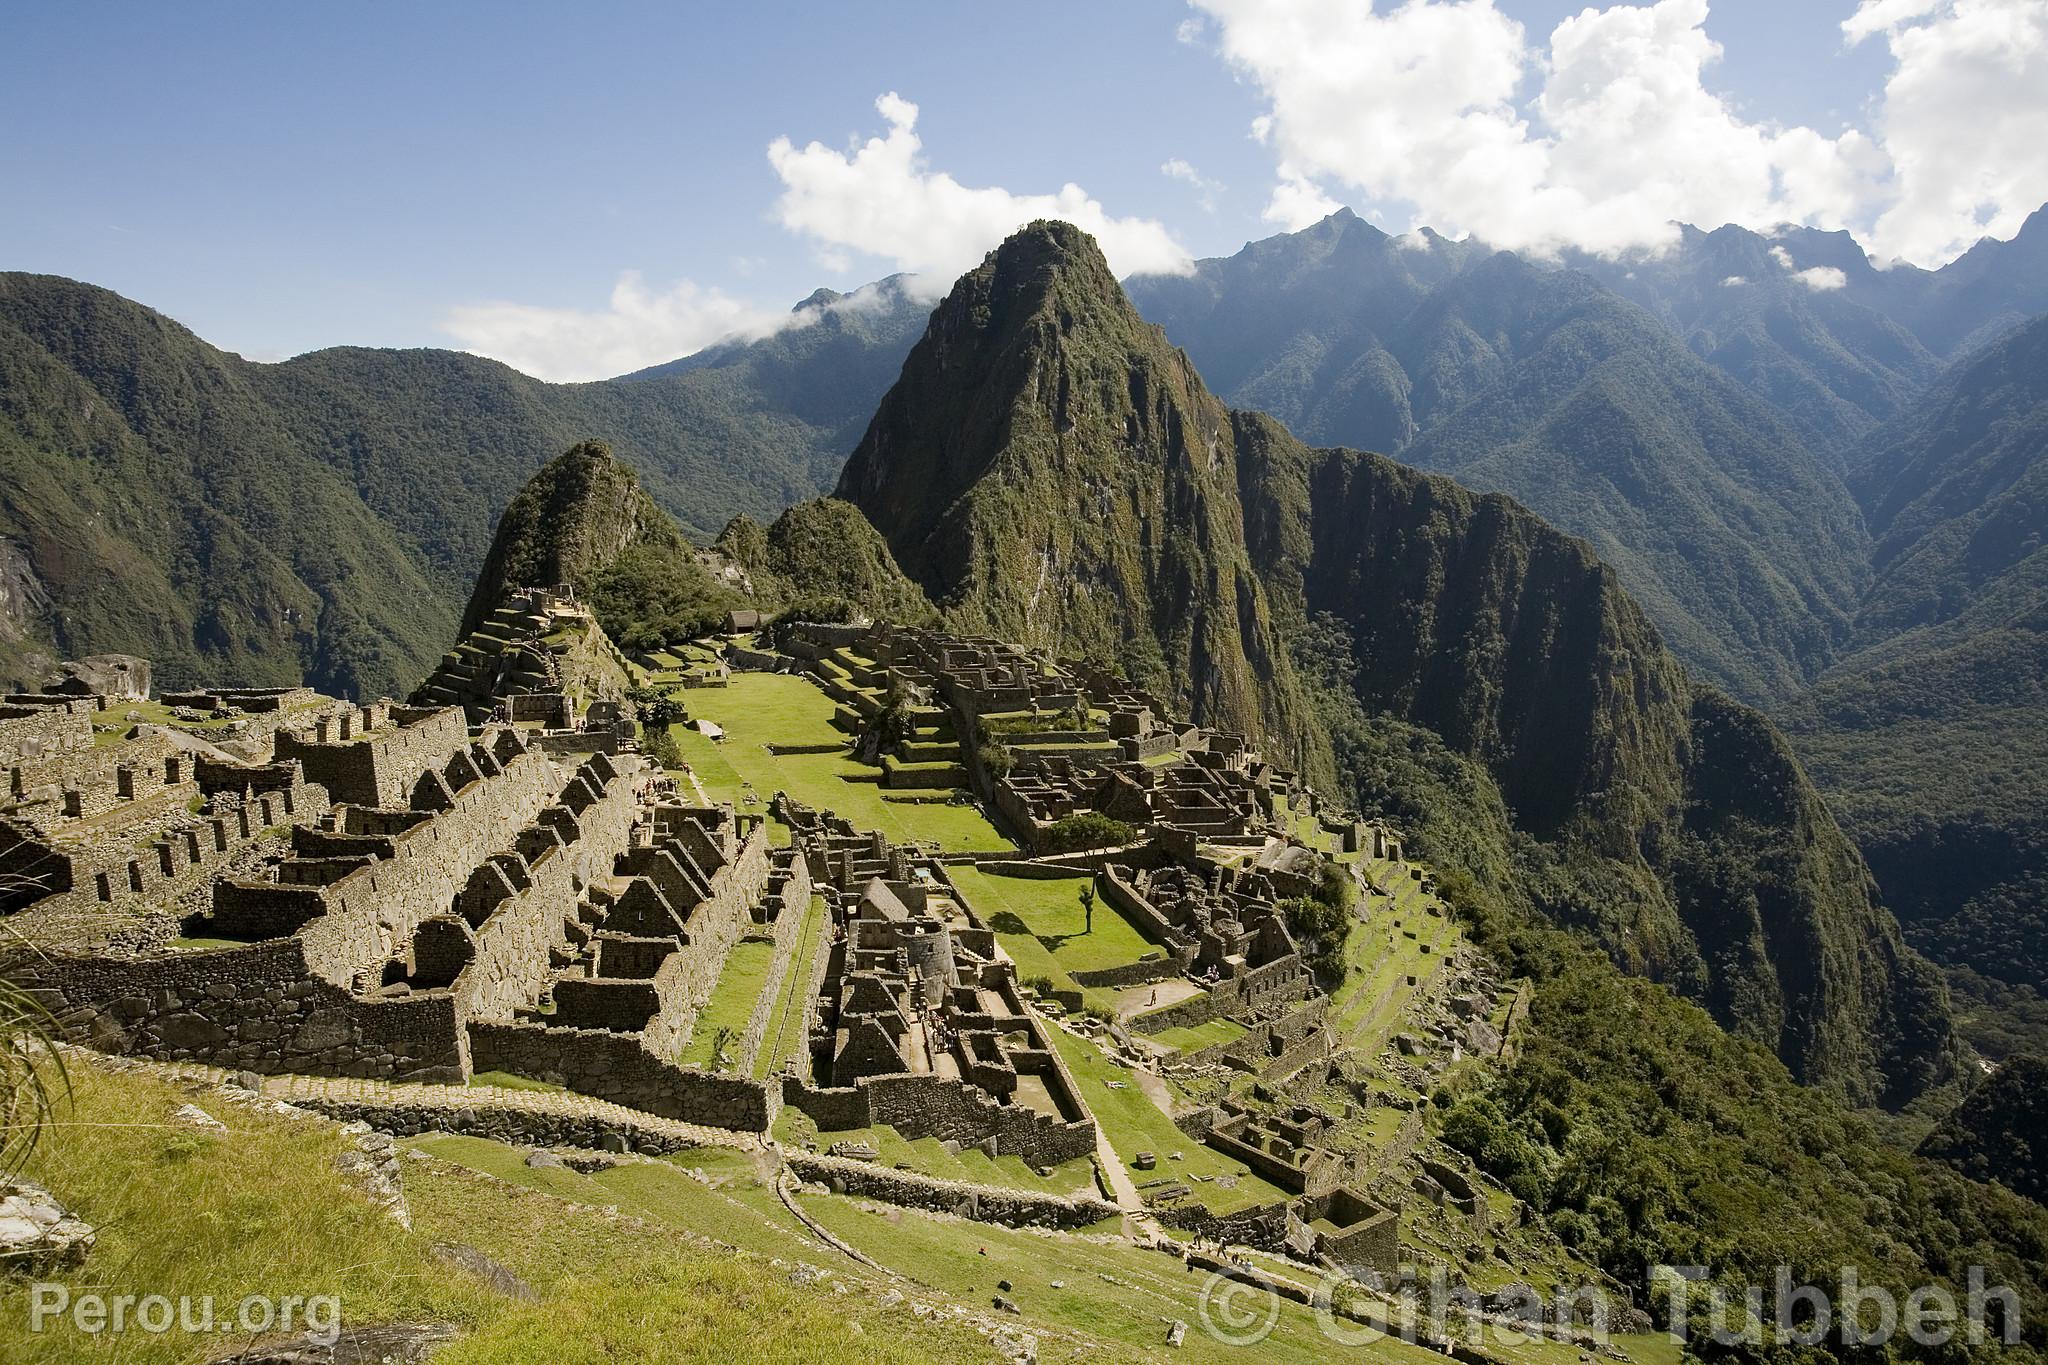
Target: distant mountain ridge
[1050, 468]
[324, 518]
[1931, 731]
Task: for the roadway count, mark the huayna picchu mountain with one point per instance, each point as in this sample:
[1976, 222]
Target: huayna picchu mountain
[1052, 472]
[1051, 469]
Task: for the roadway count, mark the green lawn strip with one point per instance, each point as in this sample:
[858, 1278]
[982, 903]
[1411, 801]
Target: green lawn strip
[1198, 1036]
[1051, 909]
[763, 708]
[786, 1024]
[262, 1211]
[1133, 1124]
[732, 1001]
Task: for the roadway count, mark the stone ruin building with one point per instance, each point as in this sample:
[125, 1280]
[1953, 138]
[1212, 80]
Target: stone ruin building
[919, 1021]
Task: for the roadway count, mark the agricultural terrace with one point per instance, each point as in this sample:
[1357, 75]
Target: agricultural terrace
[757, 710]
[1405, 939]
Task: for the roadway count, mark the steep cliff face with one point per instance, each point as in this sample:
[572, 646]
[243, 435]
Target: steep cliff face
[1673, 823]
[1051, 471]
[570, 523]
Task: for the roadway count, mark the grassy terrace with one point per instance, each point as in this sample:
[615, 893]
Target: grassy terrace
[1133, 1123]
[1194, 1039]
[759, 709]
[785, 1038]
[1112, 1292]
[740, 983]
[1379, 958]
[1041, 923]
[928, 1156]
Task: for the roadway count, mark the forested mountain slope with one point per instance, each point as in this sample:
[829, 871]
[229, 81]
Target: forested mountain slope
[1931, 735]
[1536, 381]
[324, 518]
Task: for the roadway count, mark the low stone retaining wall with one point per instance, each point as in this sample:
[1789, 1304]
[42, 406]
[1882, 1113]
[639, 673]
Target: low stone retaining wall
[982, 1203]
[619, 1068]
[1264, 1227]
[517, 1127]
[1130, 973]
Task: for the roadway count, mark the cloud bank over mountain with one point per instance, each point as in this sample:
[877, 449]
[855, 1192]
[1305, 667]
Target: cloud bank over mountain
[1608, 136]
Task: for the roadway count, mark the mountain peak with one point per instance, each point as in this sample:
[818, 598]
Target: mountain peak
[1038, 441]
[568, 524]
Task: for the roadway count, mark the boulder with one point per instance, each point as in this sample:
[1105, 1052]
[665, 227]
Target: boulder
[192, 1116]
[37, 1234]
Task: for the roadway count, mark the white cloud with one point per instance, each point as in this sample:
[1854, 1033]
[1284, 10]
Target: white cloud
[881, 199]
[639, 327]
[1297, 203]
[1962, 120]
[1609, 135]
[1782, 257]
[1206, 190]
[1734, 282]
[1190, 30]
[1821, 278]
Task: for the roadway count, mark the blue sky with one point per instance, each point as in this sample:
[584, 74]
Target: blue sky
[282, 177]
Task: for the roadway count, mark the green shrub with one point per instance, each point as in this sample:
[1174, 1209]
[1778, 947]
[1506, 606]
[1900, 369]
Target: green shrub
[1085, 829]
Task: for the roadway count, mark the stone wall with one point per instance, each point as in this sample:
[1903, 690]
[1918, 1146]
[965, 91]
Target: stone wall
[918, 1106]
[982, 1203]
[1264, 1227]
[370, 915]
[618, 1067]
[507, 1124]
[1131, 973]
[372, 757]
[255, 1008]
[713, 926]
[34, 736]
[515, 937]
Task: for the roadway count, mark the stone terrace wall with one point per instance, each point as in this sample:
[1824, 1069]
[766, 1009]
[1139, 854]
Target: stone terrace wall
[1278, 981]
[982, 1203]
[503, 1123]
[255, 1008]
[619, 1068]
[919, 1106]
[713, 927]
[370, 915]
[512, 945]
[1264, 1228]
[925, 1106]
